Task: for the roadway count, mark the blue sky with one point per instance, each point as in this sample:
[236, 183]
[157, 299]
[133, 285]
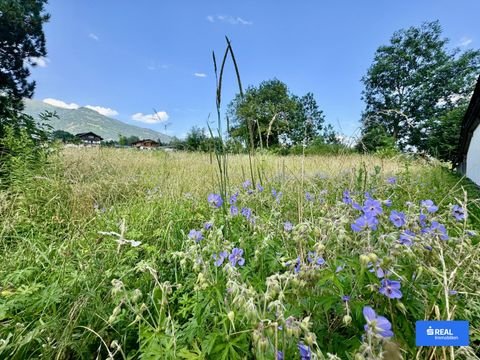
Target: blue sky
[126, 58]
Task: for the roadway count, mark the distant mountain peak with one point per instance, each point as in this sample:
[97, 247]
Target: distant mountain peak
[84, 120]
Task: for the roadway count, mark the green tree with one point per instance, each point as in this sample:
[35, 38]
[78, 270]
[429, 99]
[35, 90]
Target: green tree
[413, 80]
[445, 135]
[307, 125]
[269, 108]
[196, 139]
[22, 43]
[64, 136]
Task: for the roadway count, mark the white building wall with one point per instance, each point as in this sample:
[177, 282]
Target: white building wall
[473, 157]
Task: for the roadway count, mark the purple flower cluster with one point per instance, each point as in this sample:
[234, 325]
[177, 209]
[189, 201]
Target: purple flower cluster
[371, 209]
[215, 200]
[406, 238]
[195, 235]
[437, 229]
[277, 195]
[458, 212]
[429, 205]
[235, 257]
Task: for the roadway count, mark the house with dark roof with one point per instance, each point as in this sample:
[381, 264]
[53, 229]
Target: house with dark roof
[89, 138]
[469, 148]
[146, 144]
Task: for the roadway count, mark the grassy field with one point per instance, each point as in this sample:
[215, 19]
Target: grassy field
[110, 253]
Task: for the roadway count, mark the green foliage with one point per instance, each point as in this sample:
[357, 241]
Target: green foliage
[413, 81]
[376, 138]
[127, 141]
[275, 116]
[445, 135]
[64, 136]
[72, 287]
[23, 41]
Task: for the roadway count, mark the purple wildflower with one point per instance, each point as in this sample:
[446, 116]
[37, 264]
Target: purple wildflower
[277, 195]
[376, 325]
[339, 268]
[346, 197]
[233, 198]
[287, 226]
[297, 265]
[365, 222]
[392, 180]
[458, 212]
[305, 352]
[208, 225]
[220, 258]
[195, 235]
[259, 187]
[215, 200]
[279, 355]
[387, 202]
[309, 196]
[471, 233]
[345, 298]
[233, 210]
[357, 206]
[372, 207]
[429, 205]
[246, 184]
[247, 213]
[422, 220]
[437, 229]
[397, 218]
[236, 257]
[453, 292]
[406, 238]
[391, 289]
[313, 258]
[379, 272]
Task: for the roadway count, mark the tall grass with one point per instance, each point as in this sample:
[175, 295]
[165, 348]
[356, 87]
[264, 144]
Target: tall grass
[69, 290]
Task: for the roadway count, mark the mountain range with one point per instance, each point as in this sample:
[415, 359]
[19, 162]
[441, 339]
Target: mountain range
[84, 120]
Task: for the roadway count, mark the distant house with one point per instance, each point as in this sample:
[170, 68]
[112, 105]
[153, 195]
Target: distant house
[469, 147]
[146, 144]
[89, 138]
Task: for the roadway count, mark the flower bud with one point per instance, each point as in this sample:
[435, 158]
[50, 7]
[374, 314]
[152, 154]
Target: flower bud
[347, 319]
[231, 316]
[373, 257]
[364, 259]
[400, 306]
[310, 339]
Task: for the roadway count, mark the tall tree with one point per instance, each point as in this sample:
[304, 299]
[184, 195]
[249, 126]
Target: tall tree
[308, 122]
[22, 43]
[413, 80]
[275, 114]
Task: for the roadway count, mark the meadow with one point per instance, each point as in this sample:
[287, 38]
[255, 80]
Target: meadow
[123, 254]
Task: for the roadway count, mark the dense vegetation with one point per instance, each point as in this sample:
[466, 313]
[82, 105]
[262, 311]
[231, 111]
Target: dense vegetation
[416, 91]
[120, 254]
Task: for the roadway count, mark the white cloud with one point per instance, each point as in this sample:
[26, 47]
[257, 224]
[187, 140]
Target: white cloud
[465, 41]
[60, 103]
[93, 36]
[200, 75]
[228, 19]
[154, 66]
[159, 117]
[39, 61]
[102, 110]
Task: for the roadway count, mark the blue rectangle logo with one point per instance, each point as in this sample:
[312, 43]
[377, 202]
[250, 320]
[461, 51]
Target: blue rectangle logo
[442, 333]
